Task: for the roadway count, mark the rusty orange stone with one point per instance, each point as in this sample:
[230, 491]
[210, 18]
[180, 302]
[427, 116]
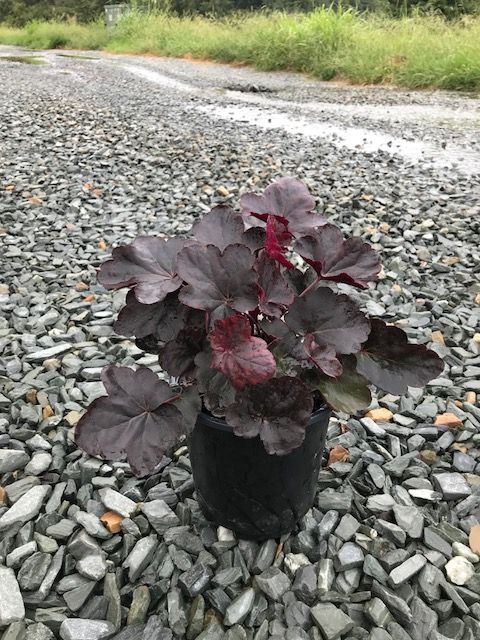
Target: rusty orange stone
[474, 539]
[428, 456]
[3, 496]
[380, 415]
[437, 336]
[47, 412]
[448, 420]
[471, 397]
[112, 520]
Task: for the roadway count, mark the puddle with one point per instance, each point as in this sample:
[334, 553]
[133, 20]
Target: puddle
[77, 57]
[387, 113]
[23, 59]
[354, 138]
[158, 78]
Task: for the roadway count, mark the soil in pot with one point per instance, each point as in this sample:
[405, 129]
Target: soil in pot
[240, 486]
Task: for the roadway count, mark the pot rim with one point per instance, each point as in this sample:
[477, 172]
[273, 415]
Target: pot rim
[221, 425]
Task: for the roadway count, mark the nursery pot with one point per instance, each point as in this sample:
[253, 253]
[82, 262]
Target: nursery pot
[240, 486]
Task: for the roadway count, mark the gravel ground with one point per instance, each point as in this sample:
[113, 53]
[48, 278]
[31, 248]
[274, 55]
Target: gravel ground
[94, 152]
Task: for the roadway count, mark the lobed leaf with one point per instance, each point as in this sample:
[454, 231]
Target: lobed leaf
[290, 201]
[350, 261]
[392, 364]
[277, 410]
[178, 356]
[323, 357]
[148, 266]
[275, 294]
[162, 319]
[222, 226]
[349, 392]
[136, 419]
[218, 281]
[331, 318]
[241, 357]
[218, 391]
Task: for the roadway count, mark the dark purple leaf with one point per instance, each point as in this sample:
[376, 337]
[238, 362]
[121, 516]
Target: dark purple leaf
[392, 364]
[289, 200]
[221, 227]
[241, 357]
[323, 357]
[218, 392]
[332, 319]
[190, 404]
[277, 410]
[275, 294]
[177, 356]
[149, 344]
[299, 280]
[162, 319]
[350, 261]
[349, 392]
[148, 265]
[218, 281]
[136, 419]
[274, 327]
[254, 238]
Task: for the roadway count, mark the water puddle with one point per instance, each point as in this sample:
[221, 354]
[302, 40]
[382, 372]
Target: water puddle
[158, 78]
[22, 59]
[77, 57]
[354, 138]
[423, 113]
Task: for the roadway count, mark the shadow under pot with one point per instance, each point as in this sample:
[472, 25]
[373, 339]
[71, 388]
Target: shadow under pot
[241, 487]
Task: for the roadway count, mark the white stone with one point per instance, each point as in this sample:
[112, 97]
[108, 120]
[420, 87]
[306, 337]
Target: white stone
[293, 561]
[80, 629]
[459, 570]
[115, 501]
[460, 549]
[225, 535]
[12, 608]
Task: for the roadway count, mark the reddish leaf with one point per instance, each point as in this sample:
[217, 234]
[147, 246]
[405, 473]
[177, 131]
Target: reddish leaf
[243, 358]
[331, 318]
[321, 356]
[277, 410]
[218, 281]
[391, 363]
[277, 239]
[136, 419]
[275, 294]
[287, 199]
[218, 392]
[148, 265]
[351, 261]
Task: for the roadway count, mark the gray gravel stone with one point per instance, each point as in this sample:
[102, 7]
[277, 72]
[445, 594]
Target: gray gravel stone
[239, 608]
[78, 629]
[26, 507]
[331, 621]
[11, 603]
[10, 460]
[406, 570]
[115, 501]
[160, 516]
[273, 583]
[453, 486]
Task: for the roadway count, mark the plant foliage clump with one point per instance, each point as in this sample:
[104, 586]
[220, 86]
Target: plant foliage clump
[246, 317]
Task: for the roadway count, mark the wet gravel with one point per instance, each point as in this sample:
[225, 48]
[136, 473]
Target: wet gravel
[91, 155]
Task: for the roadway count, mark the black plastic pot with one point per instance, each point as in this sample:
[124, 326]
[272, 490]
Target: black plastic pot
[240, 486]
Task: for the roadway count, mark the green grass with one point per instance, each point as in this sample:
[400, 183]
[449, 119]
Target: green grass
[416, 51]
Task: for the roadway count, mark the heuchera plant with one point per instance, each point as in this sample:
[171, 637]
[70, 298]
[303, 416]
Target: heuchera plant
[246, 320]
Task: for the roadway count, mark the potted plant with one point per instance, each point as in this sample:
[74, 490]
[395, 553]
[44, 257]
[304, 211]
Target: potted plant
[259, 346]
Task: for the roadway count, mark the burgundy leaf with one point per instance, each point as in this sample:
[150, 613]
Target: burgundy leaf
[149, 344]
[332, 319]
[218, 392]
[277, 240]
[275, 294]
[136, 419]
[274, 327]
[216, 280]
[148, 265]
[290, 201]
[177, 356]
[299, 280]
[350, 261]
[277, 410]
[221, 227]
[392, 364]
[254, 238]
[162, 319]
[349, 392]
[311, 354]
[241, 357]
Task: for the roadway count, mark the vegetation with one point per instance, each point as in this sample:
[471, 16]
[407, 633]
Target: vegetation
[413, 51]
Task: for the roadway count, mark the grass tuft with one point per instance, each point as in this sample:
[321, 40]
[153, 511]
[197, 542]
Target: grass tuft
[22, 59]
[412, 51]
